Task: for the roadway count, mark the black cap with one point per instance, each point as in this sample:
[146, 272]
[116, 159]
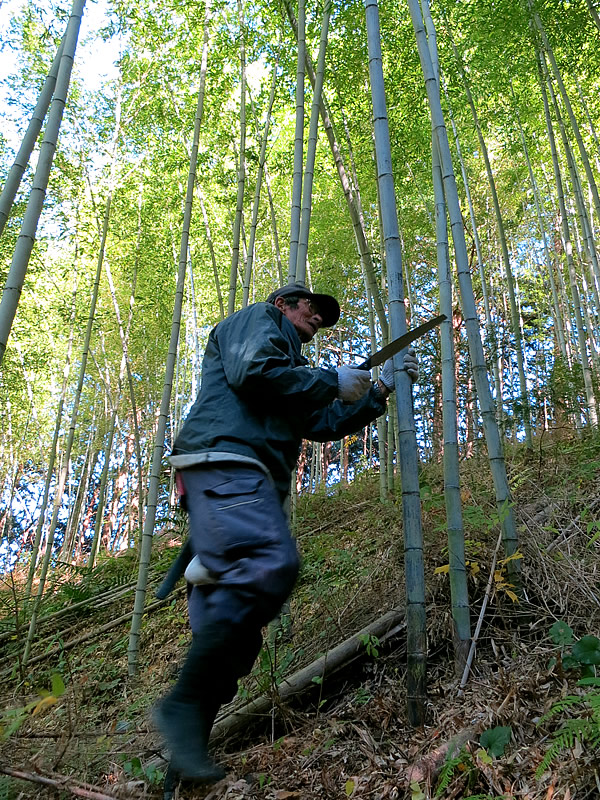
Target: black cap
[329, 308]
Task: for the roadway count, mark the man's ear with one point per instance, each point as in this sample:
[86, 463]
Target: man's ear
[280, 303]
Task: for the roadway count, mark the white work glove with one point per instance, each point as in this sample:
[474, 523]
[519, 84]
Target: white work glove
[352, 383]
[410, 364]
[197, 574]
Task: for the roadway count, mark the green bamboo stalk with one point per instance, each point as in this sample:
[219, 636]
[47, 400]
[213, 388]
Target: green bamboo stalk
[586, 232]
[572, 119]
[390, 451]
[565, 309]
[298, 144]
[102, 489]
[358, 223]
[459, 592]
[22, 253]
[486, 403]
[259, 177]
[594, 13]
[213, 258]
[381, 428]
[591, 126]
[311, 150]
[558, 326]
[124, 368]
[134, 410]
[416, 631]
[13, 181]
[63, 472]
[68, 544]
[508, 274]
[381, 421]
[54, 446]
[276, 248]
[159, 438]
[239, 210]
[581, 338]
[491, 337]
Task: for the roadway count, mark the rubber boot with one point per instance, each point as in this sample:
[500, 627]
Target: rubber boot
[184, 727]
[186, 715]
[170, 783]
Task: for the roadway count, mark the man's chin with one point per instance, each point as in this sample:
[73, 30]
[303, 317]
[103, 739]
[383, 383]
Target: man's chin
[305, 334]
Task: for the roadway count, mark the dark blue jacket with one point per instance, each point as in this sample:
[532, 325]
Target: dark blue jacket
[259, 399]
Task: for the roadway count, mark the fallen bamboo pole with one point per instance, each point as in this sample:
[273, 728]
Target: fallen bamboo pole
[61, 782]
[96, 632]
[385, 627]
[382, 628]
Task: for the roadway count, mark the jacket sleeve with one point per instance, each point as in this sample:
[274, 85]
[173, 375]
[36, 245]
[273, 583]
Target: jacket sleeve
[257, 357]
[338, 419]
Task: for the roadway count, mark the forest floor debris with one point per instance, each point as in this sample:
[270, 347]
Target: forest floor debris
[349, 735]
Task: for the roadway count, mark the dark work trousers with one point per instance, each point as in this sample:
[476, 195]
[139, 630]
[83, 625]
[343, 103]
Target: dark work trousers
[240, 533]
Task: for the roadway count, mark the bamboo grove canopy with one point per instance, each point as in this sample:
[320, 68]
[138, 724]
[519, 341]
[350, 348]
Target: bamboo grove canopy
[117, 256]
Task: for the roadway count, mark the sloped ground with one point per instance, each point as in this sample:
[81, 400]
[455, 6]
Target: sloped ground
[349, 737]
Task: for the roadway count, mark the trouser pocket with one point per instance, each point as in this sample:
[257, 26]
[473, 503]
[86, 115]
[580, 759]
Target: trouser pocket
[240, 513]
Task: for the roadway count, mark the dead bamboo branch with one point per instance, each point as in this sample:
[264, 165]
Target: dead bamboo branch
[96, 632]
[331, 523]
[565, 535]
[97, 601]
[61, 782]
[488, 591]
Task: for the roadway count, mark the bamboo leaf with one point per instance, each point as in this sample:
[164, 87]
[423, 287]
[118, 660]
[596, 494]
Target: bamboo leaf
[45, 702]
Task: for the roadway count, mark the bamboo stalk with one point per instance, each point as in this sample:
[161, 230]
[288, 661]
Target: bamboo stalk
[517, 342]
[259, 177]
[239, 209]
[358, 222]
[311, 150]
[22, 253]
[54, 446]
[407, 451]
[490, 333]
[298, 144]
[459, 593]
[147, 536]
[62, 477]
[560, 334]
[484, 604]
[585, 364]
[572, 119]
[13, 181]
[486, 403]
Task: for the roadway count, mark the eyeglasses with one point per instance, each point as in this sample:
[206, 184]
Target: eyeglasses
[312, 307]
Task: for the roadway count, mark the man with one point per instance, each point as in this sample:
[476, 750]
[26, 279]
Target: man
[234, 454]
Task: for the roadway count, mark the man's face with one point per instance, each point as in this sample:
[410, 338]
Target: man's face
[305, 318]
